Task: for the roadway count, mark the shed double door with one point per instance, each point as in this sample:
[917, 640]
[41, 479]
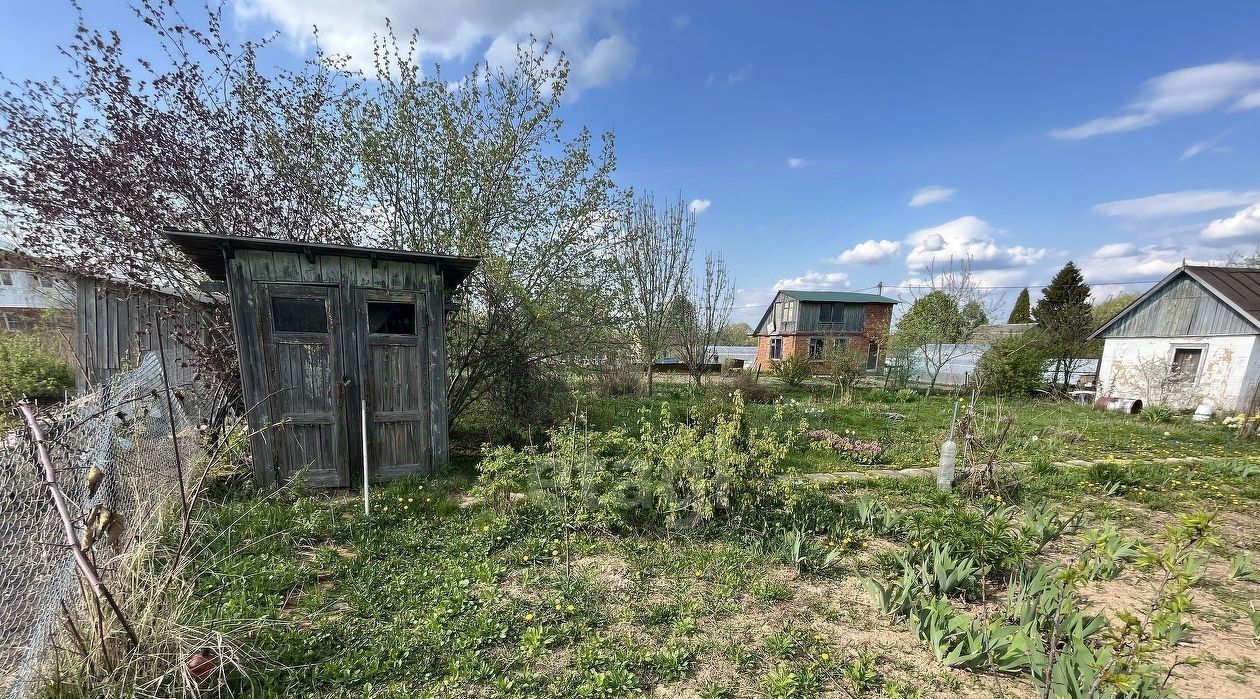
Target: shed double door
[394, 377]
[306, 381]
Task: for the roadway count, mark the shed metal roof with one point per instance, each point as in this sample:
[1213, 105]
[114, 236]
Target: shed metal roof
[840, 296]
[208, 251]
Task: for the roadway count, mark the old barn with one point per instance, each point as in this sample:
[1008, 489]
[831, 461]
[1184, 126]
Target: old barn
[341, 349]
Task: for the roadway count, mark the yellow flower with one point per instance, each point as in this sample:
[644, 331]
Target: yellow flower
[486, 528]
[555, 552]
[826, 656]
[571, 608]
[529, 616]
[411, 499]
[557, 606]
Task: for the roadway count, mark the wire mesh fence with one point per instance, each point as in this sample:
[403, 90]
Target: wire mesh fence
[118, 456]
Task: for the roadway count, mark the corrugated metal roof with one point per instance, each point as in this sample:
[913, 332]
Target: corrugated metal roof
[1239, 285]
[840, 296]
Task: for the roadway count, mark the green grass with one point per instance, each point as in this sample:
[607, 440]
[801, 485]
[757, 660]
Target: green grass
[429, 598]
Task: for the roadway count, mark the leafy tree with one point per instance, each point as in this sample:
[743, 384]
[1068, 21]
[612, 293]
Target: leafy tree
[1022, 312]
[1013, 365]
[1107, 309]
[653, 264]
[480, 166]
[737, 334]
[1063, 316]
[973, 316]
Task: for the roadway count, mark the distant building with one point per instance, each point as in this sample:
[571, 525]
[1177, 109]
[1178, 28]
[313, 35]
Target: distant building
[28, 292]
[810, 323]
[1193, 337]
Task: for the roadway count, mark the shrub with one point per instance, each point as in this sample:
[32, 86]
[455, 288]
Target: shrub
[624, 380]
[880, 395]
[28, 371]
[746, 383]
[906, 395]
[793, 371]
[1012, 366]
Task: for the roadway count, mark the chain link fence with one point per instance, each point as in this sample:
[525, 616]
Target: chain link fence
[122, 456]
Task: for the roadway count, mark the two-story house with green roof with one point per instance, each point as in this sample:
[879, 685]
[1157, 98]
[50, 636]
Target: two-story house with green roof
[812, 323]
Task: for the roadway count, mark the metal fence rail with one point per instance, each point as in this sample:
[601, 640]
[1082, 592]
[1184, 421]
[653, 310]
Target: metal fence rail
[113, 449]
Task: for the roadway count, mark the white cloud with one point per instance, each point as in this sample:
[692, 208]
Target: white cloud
[586, 31]
[867, 253]
[1145, 264]
[966, 238]
[932, 195]
[679, 22]
[1199, 147]
[1113, 250]
[1243, 225]
[730, 78]
[1230, 85]
[815, 281]
[1176, 203]
[699, 206]
[797, 162]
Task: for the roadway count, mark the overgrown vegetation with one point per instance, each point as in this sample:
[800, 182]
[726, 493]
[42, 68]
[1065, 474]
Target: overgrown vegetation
[28, 370]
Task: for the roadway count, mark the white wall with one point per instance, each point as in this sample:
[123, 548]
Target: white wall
[26, 293]
[1137, 367]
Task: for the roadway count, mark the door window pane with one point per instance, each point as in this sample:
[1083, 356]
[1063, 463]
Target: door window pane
[391, 317]
[1185, 364]
[294, 315]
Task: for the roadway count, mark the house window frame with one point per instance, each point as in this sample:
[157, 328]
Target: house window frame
[872, 357]
[840, 344]
[815, 348]
[789, 311]
[6, 277]
[776, 348]
[1200, 347]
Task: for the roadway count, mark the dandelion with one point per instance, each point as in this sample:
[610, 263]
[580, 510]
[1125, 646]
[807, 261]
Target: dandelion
[529, 616]
[486, 528]
[571, 608]
[826, 656]
[555, 552]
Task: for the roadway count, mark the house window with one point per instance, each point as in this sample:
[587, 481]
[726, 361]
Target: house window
[789, 311]
[846, 315]
[872, 357]
[392, 318]
[1185, 363]
[6, 278]
[45, 281]
[815, 348]
[776, 348]
[840, 343]
[298, 315]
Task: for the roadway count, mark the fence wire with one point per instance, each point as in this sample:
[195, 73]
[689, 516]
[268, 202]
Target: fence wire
[123, 429]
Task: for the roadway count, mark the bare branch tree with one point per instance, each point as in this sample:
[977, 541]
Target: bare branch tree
[702, 315]
[653, 263]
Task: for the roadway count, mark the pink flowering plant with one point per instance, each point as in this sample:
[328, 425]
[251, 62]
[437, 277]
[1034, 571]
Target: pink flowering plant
[859, 451]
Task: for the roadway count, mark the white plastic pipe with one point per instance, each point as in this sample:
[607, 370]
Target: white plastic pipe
[367, 508]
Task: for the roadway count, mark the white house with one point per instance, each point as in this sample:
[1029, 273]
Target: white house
[1192, 338]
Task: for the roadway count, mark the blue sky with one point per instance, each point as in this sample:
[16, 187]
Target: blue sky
[1122, 135]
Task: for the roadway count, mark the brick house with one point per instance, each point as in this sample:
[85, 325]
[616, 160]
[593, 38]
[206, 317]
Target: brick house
[809, 323]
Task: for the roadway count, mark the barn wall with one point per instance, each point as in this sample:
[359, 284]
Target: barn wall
[248, 267]
[1181, 308]
[1138, 368]
[115, 325]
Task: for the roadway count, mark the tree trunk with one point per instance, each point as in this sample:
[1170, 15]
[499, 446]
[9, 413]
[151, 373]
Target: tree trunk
[651, 371]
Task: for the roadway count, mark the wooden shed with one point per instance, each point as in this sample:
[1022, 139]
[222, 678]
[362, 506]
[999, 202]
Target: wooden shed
[320, 328]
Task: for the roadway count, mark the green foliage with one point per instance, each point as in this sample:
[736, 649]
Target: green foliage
[1157, 414]
[793, 370]
[1105, 553]
[1042, 525]
[1022, 311]
[1063, 316]
[29, 371]
[754, 392]
[972, 315]
[675, 472]
[1242, 567]
[1012, 366]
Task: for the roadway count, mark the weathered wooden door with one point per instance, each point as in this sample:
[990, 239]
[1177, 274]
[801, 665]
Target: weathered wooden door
[393, 371]
[305, 377]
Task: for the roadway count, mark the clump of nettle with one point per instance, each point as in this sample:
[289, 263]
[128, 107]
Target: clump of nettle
[848, 446]
[1041, 628]
[671, 470]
